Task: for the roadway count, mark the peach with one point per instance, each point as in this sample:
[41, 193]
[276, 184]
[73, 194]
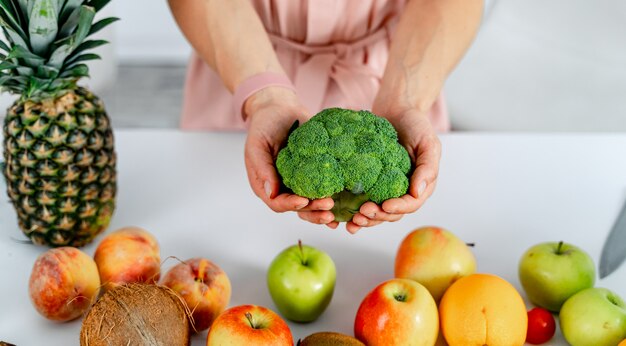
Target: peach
[204, 286]
[64, 283]
[128, 255]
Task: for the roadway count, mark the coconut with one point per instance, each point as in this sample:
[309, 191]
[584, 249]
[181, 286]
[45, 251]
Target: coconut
[137, 314]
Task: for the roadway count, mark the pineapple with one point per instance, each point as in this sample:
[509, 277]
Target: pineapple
[59, 157]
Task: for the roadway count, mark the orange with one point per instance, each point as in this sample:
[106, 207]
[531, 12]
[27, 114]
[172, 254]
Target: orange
[622, 343]
[483, 309]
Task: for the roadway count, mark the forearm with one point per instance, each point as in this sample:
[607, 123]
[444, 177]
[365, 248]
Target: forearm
[429, 41]
[228, 35]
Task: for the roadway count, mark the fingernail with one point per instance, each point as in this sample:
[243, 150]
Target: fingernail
[268, 189]
[370, 215]
[421, 189]
[300, 206]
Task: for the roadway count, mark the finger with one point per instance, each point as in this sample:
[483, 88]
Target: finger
[426, 166]
[362, 221]
[352, 228]
[370, 210]
[320, 204]
[287, 202]
[408, 204]
[405, 204]
[262, 175]
[332, 225]
[317, 217]
[375, 213]
[264, 179]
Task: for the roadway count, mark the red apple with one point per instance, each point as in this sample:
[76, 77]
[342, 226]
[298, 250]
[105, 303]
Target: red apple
[128, 255]
[434, 257]
[203, 285]
[64, 283]
[249, 325]
[397, 312]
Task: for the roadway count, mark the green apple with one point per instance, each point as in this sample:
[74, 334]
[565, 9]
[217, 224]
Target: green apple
[551, 272]
[301, 281]
[595, 317]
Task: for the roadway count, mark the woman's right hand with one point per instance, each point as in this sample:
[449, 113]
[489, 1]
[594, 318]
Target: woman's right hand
[271, 112]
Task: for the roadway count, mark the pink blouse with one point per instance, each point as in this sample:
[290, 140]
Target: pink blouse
[334, 52]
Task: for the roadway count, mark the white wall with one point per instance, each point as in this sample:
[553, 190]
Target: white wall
[536, 65]
[147, 33]
[557, 65]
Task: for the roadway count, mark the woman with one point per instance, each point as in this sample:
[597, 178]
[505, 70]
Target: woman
[276, 61]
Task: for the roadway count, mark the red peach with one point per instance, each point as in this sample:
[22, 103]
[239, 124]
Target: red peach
[128, 255]
[64, 283]
[204, 286]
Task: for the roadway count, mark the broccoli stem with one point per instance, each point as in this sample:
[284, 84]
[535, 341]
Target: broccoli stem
[347, 204]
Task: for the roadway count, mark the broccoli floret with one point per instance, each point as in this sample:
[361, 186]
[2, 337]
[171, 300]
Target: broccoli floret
[351, 156]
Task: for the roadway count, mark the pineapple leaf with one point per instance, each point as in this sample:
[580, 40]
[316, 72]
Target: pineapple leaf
[73, 42]
[80, 70]
[13, 36]
[71, 22]
[5, 65]
[97, 26]
[17, 12]
[23, 7]
[83, 57]
[29, 6]
[89, 44]
[24, 71]
[20, 52]
[97, 4]
[60, 54]
[42, 25]
[68, 9]
[4, 46]
[62, 83]
[47, 72]
[84, 23]
[21, 80]
[9, 14]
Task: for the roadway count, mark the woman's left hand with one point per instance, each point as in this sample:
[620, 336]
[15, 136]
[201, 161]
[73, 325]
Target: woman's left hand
[417, 135]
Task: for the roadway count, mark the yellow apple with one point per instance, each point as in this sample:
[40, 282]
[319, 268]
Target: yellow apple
[434, 257]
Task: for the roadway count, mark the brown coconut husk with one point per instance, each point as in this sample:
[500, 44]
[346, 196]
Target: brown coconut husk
[137, 314]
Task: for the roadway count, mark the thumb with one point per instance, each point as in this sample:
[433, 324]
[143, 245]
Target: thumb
[262, 174]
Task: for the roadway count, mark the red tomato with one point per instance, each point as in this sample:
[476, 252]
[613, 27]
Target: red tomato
[541, 326]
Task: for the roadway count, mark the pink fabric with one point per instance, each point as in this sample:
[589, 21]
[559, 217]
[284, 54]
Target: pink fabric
[334, 51]
[254, 84]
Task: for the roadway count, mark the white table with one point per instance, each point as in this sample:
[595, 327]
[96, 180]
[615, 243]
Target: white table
[504, 192]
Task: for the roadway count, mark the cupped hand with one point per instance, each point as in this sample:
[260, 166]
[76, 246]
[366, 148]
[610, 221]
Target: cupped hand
[271, 112]
[417, 135]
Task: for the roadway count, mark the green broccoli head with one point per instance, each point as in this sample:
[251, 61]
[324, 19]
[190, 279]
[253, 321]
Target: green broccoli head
[351, 156]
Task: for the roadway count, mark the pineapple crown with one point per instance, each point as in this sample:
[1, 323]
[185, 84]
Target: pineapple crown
[47, 44]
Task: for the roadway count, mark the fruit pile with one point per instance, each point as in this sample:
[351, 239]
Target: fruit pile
[121, 294]
[559, 278]
[436, 297]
